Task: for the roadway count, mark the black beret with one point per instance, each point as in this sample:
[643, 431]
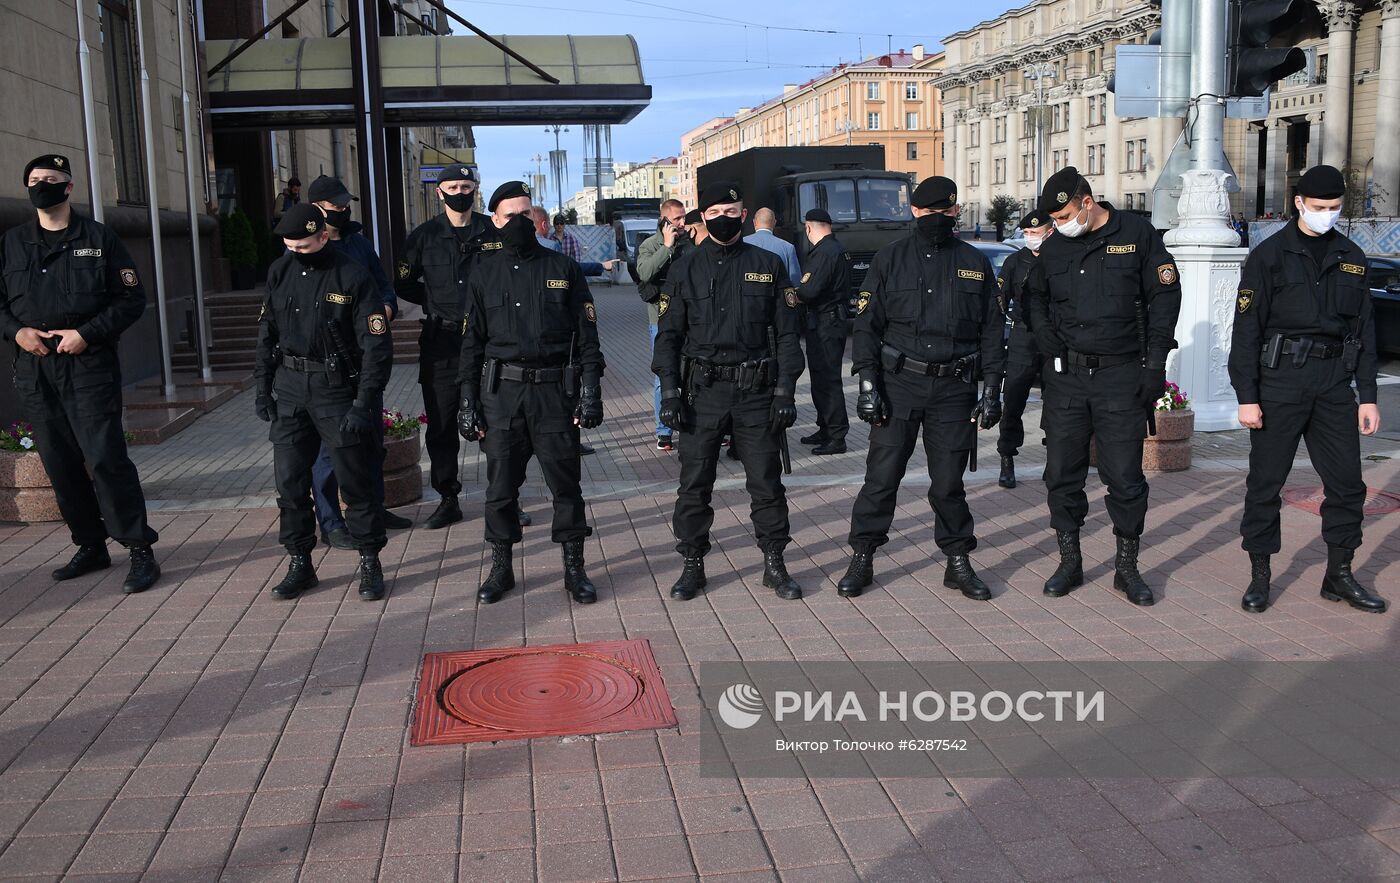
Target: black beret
[1034, 218]
[936, 192]
[817, 216]
[53, 161]
[328, 189]
[508, 190]
[720, 193]
[693, 216]
[1322, 182]
[300, 221]
[1059, 189]
[457, 172]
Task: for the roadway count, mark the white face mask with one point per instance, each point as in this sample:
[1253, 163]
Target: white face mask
[1033, 241]
[1075, 228]
[1318, 222]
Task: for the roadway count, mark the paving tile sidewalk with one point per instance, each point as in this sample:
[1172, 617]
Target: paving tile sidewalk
[203, 731]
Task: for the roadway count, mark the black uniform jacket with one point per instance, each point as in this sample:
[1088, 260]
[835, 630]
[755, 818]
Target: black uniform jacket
[1015, 270]
[1283, 290]
[717, 307]
[526, 310]
[826, 277]
[303, 302]
[1083, 293]
[437, 264]
[87, 282]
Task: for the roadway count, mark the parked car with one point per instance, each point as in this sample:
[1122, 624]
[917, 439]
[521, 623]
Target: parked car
[1383, 276]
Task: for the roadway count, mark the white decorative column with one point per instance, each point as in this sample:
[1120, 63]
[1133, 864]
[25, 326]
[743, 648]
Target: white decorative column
[1077, 157]
[1113, 158]
[1276, 167]
[984, 179]
[1341, 17]
[1013, 149]
[1387, 165]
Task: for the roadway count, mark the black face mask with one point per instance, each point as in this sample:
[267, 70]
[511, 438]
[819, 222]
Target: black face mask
[47, 194]
[459, 202]
[313, 260]
[338, 219]
[724, 228]
[519, 234]
[936, 228]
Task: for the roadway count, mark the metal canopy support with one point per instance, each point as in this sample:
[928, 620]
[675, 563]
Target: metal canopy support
[192, 181]
[369, 121]
[243, 47]
[545, 75]
[89, 114]
[157, 255]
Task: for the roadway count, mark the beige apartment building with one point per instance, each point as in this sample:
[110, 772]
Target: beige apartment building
[886, 100]
[657, 179]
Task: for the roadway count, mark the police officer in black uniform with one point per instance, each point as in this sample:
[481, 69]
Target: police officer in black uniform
[825, 286]
[68, 289]
[1023, 360]
[531, 372]
[1103, 298]
[324, 350]
[728, 356]
[928, 326]
[1304, 330]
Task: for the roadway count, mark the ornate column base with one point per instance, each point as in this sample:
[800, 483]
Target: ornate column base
[1204, 210]
[1210, 278]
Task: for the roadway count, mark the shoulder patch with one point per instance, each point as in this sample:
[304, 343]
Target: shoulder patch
[590, 312]
[663, 305]
[87, 252]
[1356, 269]
[1166, 274]
[557, 283]
[342, 299]
[1123, 249]
[491, 246]
[129, 278]
[972, 274]
[862, 302]
[403, 269]
[758, 277]
[377, 325]
[806, 277]
[1246, 298]
[790, 298]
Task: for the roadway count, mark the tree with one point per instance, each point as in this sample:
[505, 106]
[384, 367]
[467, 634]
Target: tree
[1004, 209]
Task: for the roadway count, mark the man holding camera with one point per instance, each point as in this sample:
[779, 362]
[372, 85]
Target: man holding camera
[655, 257]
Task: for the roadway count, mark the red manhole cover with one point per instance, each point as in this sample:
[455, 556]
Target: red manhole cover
[1309, 499]
[564, 690]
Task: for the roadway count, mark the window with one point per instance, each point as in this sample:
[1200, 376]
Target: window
[974, 135]
[973, 177]
[1130, 158]
[911, 91]
[1059, 159]
[1027, 166]
[872, 120]
[1098, 110]
[123, 99]
[1096, 163]
[911, 150]
[911, 120]
[1093, 62]
[1056, 119]
[999, 130]
[837, 197]
[884, 199]
[1027, 129]
[998, 171]
[872, 91]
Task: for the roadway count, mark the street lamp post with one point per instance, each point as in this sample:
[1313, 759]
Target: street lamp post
[558, 176]
[1038, 72]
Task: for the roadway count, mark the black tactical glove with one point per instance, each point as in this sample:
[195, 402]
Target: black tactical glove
[470, 423]
[264, 406]
[589, 411]
[870, 405]
[671, 409]
[358, 420]
[782, 414]
[1152, 385]
[988, 411]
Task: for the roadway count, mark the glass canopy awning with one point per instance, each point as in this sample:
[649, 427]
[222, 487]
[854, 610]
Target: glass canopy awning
[428, 81]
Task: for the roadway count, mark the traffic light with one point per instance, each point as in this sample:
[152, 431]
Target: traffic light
[1262, 33]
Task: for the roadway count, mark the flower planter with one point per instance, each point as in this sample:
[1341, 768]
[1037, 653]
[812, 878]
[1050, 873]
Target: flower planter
[1170, 449]
[403, 477]
[26, 494]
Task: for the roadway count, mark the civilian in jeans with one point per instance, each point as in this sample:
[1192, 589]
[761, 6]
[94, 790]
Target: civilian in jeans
[655, 256]
[330, 196]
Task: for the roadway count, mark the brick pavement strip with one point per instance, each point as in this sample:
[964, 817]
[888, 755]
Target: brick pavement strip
[204, 731]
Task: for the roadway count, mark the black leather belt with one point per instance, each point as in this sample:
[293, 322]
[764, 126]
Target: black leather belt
[1092, 362]
[526, 374]
[304, 365]
[1316, 348]
[897, 362]
[442, 324]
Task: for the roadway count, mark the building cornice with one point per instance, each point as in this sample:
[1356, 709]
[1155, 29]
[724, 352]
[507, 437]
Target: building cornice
[1056, 47]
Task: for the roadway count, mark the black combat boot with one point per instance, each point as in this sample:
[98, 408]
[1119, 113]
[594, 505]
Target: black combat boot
[775, 576]
[501, 579]
[1126, 578]
[860, 573]
[816, 438]
[300, 577]
[959, 575]
[1256, 597]
[1008, 472]
[371, 577]
[576, 581]
[1340, 585]
[692, 578]
[449, 511]
[1070, 574]
[85, 560]
[144, 570]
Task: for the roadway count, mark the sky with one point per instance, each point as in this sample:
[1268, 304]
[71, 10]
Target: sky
[703, 61]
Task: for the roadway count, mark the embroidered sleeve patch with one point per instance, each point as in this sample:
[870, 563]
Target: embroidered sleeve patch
[342, 299]
[590, 312]
[972, 274]
[1123, 249]
[862, 302]
[758, 277]
[404, 269]
[87, 252]
[1166, 274]
[1357, 269]
[806, 277]
[129, 278]
[790, 298]
[377, 325]
[663, 305]
[557, 283]
[1246, 298]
